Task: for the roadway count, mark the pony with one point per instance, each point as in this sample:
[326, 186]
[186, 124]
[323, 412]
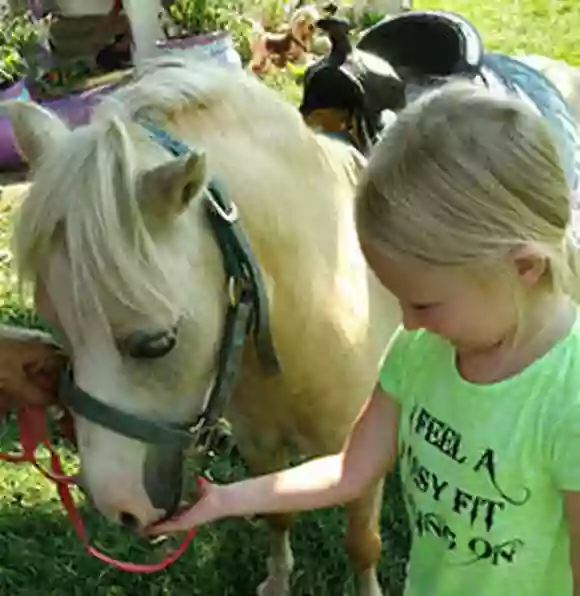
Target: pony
[137, 237]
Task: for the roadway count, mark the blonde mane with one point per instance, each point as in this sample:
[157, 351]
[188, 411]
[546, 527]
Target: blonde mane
[108, 246]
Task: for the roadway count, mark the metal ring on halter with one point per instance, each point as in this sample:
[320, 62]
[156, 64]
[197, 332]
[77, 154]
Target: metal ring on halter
[235, 290]
[230, 216]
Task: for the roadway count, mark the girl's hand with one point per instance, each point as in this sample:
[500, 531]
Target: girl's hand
[206, 509]
[369, 453]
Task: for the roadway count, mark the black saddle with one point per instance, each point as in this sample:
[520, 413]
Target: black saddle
[396, 53]
[426, 43]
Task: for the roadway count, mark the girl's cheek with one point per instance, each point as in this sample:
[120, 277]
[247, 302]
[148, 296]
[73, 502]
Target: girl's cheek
[437, 319]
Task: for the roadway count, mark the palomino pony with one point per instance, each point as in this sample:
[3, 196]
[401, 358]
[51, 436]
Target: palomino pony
[139, 232]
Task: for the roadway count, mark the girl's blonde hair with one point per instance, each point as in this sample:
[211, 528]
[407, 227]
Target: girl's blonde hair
[464, 175]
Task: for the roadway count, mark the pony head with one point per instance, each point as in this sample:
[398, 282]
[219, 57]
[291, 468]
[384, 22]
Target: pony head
[128, 274]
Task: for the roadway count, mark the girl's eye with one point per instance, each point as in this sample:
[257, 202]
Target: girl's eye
[423, 307]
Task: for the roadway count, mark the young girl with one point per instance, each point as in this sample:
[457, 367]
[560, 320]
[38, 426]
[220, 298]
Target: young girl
[464, 215]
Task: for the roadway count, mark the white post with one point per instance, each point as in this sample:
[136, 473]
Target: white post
[146, 27]
[142, 14]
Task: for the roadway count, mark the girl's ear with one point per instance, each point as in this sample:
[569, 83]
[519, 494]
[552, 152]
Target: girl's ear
[529, 264]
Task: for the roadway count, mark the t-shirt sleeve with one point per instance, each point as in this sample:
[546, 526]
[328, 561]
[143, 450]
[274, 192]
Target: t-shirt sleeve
[565, 448]
[392, 370]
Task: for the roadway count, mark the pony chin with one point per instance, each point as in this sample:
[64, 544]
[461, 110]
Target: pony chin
[113, 476]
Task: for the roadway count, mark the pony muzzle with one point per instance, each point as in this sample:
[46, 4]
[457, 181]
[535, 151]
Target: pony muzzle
[163, 477]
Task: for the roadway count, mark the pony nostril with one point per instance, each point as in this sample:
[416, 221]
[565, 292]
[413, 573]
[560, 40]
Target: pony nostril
[129, 521]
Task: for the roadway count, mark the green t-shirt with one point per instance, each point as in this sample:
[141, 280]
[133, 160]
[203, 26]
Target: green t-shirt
[483, 467]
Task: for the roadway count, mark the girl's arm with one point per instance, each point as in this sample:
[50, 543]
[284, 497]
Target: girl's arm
[369, 453]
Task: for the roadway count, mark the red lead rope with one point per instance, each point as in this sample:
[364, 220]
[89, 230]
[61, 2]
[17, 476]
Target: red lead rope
[34, 432]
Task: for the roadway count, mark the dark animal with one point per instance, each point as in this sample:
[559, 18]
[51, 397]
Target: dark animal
[357, 90]
[361, 84]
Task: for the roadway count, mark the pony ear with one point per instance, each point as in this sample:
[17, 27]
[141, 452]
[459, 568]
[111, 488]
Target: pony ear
[167, 190]
[36, 129]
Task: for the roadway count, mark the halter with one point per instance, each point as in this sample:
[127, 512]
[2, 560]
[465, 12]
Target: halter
[247, 312]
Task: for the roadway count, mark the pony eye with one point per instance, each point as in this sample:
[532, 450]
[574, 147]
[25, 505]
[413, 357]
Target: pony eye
[149, 345]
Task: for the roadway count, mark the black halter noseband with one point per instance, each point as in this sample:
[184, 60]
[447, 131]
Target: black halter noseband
[247, 311]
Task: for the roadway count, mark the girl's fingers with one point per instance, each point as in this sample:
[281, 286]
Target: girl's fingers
[184, 521]
[185, 518]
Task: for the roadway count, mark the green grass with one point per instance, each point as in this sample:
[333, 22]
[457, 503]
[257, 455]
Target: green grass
[546, 27]
[40, 554]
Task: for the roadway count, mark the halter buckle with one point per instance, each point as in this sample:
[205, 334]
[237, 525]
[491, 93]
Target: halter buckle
[230, 216]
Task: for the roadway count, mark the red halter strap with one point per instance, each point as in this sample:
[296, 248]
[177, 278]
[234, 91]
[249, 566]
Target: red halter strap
[34, 432]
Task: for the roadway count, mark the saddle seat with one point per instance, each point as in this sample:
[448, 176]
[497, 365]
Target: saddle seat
[426, 44]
